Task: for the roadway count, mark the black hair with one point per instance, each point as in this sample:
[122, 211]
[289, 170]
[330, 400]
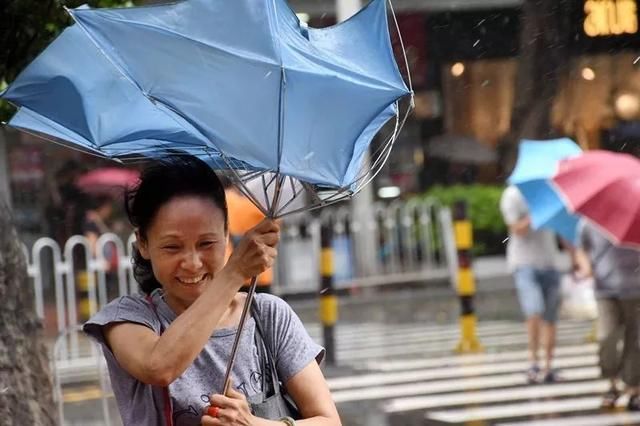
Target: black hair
[159, 183]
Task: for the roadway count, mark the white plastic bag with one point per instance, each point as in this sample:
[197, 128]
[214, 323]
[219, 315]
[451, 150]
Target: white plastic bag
[578, 298]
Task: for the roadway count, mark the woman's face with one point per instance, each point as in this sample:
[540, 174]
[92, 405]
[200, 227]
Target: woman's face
[186, 244]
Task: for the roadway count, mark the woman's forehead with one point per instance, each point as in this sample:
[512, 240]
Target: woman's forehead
[187, 214]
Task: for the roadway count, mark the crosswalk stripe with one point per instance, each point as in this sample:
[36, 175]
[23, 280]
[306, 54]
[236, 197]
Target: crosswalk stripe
[421, 336]
[379, 379]
[387, 331]
[410, 348]
[501, 395]
[413, 364]
[462, 384]
[373, 328]
[520, 409]
[604, 419]
[359, 329]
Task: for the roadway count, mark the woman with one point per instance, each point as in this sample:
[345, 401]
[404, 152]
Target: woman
[177, 337]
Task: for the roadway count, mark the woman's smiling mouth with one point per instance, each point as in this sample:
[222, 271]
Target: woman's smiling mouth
[191, 280]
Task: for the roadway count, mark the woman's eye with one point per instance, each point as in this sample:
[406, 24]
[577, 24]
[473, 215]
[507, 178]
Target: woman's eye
[170, 248]
[207, 243]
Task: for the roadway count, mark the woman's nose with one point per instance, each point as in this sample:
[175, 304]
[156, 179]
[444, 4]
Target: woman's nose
[192, 261]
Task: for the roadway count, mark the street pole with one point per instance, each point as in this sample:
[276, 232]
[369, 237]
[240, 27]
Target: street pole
[466, 285]
[328, 298]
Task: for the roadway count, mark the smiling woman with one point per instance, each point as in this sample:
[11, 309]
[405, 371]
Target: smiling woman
[167, 349]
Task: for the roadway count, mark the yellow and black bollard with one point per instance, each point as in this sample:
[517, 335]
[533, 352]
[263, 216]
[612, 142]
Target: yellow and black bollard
[328, 299]
[84, 302]
[466, 286]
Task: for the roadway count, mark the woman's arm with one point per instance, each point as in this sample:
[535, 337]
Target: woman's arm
[159, 360]
[310, 391]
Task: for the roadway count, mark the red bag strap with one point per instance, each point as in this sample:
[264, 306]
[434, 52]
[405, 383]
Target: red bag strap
[167, 410]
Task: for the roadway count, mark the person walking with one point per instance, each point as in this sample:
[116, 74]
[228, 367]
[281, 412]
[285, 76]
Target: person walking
[617, 287]
[531, 256]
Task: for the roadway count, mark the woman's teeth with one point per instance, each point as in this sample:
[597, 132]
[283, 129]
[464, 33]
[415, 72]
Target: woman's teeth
[191, 280]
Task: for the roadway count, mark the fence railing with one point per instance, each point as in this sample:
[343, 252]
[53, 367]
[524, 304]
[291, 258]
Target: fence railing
[412, 241]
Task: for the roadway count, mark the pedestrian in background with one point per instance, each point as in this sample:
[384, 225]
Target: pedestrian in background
[531, 256]
[617, 287]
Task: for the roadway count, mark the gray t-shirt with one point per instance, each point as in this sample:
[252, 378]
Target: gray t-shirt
[536, 249]
[143, 404]
[616, 270]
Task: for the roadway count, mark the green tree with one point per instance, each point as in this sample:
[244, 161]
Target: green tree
[28, 26]
[543, 61]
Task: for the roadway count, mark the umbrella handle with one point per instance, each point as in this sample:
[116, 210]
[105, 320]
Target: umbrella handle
[243, 318]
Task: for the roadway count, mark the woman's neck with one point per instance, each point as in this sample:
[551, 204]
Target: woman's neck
[230, 318]
[177, 306]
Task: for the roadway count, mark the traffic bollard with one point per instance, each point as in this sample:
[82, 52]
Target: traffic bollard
[328, 299]
[466, 286]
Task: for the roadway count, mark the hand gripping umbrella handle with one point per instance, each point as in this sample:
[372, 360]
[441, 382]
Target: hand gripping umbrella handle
[236, 342]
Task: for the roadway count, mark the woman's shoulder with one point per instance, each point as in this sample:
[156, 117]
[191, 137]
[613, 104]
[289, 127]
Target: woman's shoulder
[270, 303]
[129, 308]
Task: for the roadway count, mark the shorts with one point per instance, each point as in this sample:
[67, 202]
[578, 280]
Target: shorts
[538, 292]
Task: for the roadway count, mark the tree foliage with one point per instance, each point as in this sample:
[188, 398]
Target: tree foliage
[28, 26]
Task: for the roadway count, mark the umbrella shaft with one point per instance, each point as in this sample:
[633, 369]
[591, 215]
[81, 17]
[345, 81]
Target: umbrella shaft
[243, 318]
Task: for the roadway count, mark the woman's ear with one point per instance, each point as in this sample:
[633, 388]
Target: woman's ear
[142, 246]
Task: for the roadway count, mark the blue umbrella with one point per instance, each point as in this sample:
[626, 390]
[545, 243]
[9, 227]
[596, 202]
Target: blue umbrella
[537, 163]
[243, 79]
[241, 83]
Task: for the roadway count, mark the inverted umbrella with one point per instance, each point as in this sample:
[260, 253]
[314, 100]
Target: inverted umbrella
[604, 186]
[537, 162]
[242, 84]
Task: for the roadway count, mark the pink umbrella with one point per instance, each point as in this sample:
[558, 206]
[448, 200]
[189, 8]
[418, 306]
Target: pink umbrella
[604, 186]
[107, 180]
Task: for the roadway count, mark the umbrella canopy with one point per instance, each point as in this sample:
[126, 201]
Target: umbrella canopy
[537, 163]
[604, 187]
[107, 180]
[243, 80]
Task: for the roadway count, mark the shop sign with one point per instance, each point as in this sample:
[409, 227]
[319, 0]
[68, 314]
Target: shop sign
[610, 17]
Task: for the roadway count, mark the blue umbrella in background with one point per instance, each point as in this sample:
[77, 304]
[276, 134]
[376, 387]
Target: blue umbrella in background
[537, 163]
[242, 84]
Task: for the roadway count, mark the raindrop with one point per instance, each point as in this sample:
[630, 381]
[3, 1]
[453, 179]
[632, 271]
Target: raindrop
[309, 155]
[635, 61]
[623, 146]
[476, 43]
[505, 240]
[485, 83]
[323, 15]
[482, 21]
[268, 74]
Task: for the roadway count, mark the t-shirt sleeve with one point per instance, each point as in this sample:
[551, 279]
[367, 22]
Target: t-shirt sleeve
[132, 309]
[294, 348]
[512, 205]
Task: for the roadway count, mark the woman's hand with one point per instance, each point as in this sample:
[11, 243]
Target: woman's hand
[256, 252]
[232, 410]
